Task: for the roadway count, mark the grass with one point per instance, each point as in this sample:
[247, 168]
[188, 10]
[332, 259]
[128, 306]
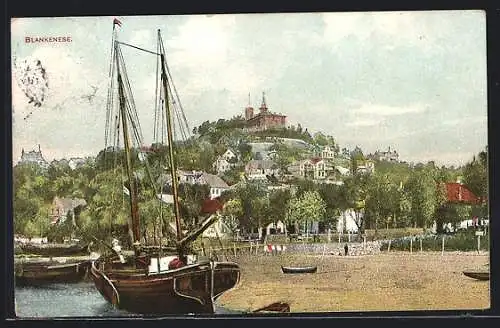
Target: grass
[386, 282]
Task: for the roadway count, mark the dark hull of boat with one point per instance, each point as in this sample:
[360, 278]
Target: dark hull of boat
[42, 273]
[309, 269]
[479, 275]
[190, 289]
[278, 307]
[54, 250]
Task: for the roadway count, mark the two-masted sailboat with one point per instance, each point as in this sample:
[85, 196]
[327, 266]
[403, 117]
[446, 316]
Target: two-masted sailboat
[133, 283]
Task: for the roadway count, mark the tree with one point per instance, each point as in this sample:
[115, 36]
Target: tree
[320, 139]
[309, 207]
[245, 151]
[353, 196]
[424, 198]
[278, 202]
[331, 194]
[476, 174]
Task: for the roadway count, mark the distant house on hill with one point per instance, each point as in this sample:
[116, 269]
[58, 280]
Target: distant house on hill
[259, 169]
[389, 156]
[225, 162]
[62, 207]
[33, 157]
[313, 168]
[325, 152]
[365, 167]
[216, 184]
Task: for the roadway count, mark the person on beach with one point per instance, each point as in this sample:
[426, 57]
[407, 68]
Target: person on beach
[346, 249]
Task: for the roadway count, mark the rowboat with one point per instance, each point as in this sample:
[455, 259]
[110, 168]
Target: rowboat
[46, 272]
[479, 275]
[307, 269]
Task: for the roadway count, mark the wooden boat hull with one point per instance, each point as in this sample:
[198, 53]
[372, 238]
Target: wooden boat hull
[53, 250]
[190, 289]
[479, 275]
[277, 307]
[42, 273]
[308, 269]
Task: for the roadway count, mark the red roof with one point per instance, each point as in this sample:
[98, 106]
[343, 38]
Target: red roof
[315, 160]
[458, 193]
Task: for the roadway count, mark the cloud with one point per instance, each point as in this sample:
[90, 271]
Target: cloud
[202, 41]
[408, 28]
[364, 122]
[384, 110]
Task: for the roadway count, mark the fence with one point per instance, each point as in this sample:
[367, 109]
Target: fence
[412, 244]
[458, 242]
[234, 249]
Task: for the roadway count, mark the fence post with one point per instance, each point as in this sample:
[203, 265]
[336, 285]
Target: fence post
[389, 247]
[364, 242]
[234, 247]
[442, 247]
[411, 245]
[329, 236]
[256, 248]
[420, 245]
[478, 243]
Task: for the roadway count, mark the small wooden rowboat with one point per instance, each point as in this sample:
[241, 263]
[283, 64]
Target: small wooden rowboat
[307, 269]
[53, 249]
[479, 275]
[41, 273]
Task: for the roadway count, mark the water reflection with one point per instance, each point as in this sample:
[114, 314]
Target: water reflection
[69, 300]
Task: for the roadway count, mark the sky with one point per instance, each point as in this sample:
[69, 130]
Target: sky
[412, 81]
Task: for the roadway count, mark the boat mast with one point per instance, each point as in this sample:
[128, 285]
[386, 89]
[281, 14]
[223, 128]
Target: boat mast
[173, 171]
[134, 209]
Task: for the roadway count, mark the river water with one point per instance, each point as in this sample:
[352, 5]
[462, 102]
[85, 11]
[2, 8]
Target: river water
[70, 300]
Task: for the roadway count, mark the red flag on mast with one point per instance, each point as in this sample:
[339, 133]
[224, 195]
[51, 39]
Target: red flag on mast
[117, 22]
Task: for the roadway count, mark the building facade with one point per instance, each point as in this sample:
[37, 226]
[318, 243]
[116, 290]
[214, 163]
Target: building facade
[33, 157]
[263, 120]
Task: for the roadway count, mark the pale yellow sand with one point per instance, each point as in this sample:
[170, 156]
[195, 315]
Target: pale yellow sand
[396, 281]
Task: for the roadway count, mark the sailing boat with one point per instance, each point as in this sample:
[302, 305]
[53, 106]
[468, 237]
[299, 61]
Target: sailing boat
[131, 283]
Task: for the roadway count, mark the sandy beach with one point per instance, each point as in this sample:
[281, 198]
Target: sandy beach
[396, 281]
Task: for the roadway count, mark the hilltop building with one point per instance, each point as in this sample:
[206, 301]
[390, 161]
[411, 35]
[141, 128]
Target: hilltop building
[388, 156]
[263, 120]
[33, 157]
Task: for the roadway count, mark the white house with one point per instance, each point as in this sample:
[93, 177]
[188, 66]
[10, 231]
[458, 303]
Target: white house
[348, 220]
[216, 184]
[366, 166]
[258, 169]
[225, 162]
[326, 152]
[314, 168]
